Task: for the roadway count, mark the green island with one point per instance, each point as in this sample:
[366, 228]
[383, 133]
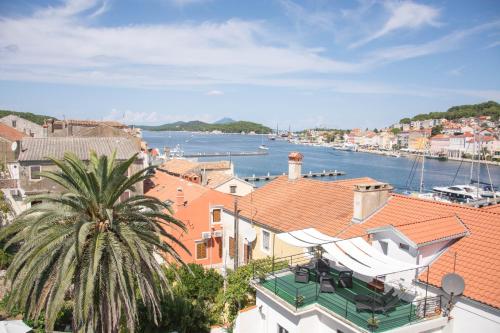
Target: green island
[200, 126]
[489, 108]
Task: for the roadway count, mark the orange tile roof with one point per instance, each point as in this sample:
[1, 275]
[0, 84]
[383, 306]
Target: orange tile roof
[215, 179]
[283, 206]
[438, 229]
[10, 133]
[493, 208]
[214, 165]
[165, 188]
[291, 205]
[178, 166]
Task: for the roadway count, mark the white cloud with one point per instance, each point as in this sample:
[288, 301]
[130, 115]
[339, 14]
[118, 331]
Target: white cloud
[143, 117]
[214, 93]
[456, 71]
[403, 15]
[321, 19]
[494, 44]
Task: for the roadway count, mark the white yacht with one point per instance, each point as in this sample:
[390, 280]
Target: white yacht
[463, 193]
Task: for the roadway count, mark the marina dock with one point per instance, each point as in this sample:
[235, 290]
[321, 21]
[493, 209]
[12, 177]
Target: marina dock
[324, 173]
[229, 153]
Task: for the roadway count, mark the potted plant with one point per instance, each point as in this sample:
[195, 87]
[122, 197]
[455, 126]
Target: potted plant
[373, 323]
[299, 300]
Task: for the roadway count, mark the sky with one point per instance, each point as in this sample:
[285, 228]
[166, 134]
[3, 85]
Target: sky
[316, 63]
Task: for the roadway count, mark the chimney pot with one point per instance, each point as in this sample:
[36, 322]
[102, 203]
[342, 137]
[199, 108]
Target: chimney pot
[295, 165]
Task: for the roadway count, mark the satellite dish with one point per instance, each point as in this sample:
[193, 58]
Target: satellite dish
[453, 284]
[13, 146]
[250, 235]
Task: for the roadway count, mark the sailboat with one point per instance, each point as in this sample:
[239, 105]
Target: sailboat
[262, 145]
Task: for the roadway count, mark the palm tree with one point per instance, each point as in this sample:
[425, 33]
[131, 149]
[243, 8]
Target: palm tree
[88, 246]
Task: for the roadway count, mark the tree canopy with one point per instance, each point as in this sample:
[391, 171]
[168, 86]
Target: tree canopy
[489, 108]
[36, 118]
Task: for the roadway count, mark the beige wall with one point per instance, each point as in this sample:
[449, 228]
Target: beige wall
[44, 185]
[242, 188]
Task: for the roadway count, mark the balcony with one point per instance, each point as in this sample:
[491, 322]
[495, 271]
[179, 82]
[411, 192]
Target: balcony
[341, 303]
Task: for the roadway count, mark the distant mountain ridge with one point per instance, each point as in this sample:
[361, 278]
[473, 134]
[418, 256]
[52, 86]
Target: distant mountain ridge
[228, 126]
[225, 120]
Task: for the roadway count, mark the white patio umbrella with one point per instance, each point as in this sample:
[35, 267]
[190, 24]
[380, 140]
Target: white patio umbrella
[14, 326]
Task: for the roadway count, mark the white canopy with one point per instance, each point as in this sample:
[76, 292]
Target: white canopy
[355, 253]
[14, 326]
[305, 238]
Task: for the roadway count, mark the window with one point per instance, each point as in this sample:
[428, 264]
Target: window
[231, 247]
[14, 123]
[35, 172]
[404, 246]
[384, 246]
[201, 250]
[232, 189]
[247, 253]
[281, 329]
[265, 240]
[216, 215]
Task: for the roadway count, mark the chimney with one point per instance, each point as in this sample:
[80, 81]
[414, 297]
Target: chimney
[295, 165]
[368, 198]
[179, 197]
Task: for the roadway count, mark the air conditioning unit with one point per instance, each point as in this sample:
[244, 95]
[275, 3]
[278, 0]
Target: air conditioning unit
[206, 235]
[218, 233]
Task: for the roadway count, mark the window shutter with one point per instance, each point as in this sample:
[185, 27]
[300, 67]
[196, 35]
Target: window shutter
[216, 215]
[231, 247]
[201, 250]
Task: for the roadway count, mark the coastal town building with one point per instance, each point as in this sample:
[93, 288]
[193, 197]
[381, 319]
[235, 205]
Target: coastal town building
[35, 156]
[437, 238]
[23, 125]
[84, 128]
[200, 208]
[10, 140]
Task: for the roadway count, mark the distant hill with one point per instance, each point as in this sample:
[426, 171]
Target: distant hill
[200, 126]
[224, 120]
[36, 118]
[489, 108]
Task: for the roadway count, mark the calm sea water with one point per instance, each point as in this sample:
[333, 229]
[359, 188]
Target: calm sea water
[396, 171]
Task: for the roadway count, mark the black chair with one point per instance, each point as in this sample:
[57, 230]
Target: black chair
[326, 284]
[322, 266]
[345, 279]
[301, 274]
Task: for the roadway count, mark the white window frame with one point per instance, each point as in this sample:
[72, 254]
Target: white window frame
[231, 187]
[35, 179]
[196, 242]
[268, 250]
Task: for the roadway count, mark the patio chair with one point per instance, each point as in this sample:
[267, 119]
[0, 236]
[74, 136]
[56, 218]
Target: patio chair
[322, 266]
[389, 306]
[374, 306]
[345, 279]
[379, 299]
[301, 274]
[326, 284]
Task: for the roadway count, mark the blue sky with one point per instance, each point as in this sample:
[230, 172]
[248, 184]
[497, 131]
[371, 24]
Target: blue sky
[334, 63]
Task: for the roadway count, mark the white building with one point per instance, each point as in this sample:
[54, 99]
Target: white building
[27, 127]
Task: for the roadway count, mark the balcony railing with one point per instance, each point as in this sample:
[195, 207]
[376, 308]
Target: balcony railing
[280, 281]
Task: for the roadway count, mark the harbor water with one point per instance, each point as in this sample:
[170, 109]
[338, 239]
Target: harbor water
[396, 171]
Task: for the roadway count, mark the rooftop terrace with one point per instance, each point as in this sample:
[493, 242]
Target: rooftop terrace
[341, 303]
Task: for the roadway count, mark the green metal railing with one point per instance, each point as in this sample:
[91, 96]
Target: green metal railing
[406, 313]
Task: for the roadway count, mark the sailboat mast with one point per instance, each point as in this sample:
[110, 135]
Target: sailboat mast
[473, 156]
[422, 170]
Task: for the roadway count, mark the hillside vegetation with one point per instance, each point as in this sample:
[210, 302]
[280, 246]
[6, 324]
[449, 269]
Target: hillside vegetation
[36, 118]
[200, 126]
[489, 108]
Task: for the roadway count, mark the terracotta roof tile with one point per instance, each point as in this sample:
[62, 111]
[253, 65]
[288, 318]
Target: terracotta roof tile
[10, 133]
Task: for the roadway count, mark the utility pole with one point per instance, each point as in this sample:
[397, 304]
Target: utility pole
[236, 232]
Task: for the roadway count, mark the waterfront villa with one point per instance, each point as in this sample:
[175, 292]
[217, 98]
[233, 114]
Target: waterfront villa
[381, 240]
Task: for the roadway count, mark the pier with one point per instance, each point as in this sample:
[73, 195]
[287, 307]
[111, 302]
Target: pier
[324, 173]
[229, 153]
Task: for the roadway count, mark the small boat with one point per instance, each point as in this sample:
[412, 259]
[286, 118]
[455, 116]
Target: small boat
[263, 147]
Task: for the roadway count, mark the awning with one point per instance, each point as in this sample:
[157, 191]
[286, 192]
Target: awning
[305, 238]
[355, 253]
